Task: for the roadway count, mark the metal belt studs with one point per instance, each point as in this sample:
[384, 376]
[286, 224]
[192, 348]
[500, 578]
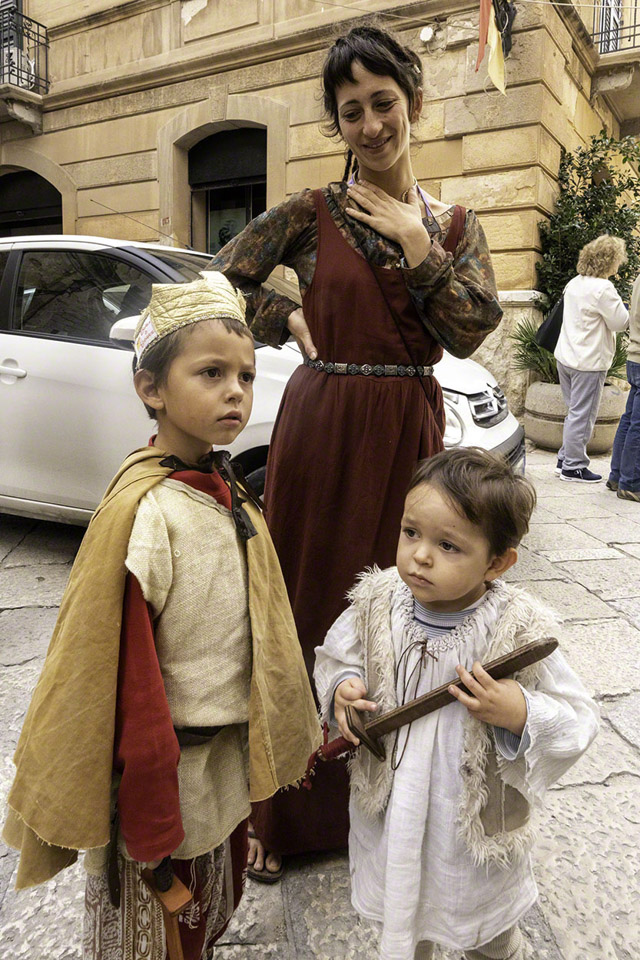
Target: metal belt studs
[367, 369]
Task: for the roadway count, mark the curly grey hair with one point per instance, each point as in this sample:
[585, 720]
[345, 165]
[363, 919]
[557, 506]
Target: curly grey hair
[602, 257]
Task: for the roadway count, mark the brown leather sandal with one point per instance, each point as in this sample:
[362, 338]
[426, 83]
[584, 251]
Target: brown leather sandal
[264, 875]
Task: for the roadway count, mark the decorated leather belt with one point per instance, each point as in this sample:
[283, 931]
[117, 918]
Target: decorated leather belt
[368, 369]
[193, 736]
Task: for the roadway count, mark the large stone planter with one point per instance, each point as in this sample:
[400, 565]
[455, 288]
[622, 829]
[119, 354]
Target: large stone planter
[545, 410]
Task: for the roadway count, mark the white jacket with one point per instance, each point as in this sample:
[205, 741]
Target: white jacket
[593, 314]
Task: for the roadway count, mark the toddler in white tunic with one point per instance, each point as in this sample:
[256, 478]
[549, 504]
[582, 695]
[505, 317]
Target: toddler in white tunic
[439, 846]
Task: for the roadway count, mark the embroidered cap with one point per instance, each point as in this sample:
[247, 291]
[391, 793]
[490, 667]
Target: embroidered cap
[175, 305]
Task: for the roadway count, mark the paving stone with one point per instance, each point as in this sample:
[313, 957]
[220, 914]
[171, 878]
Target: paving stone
[588, 869]
[611, 579]
[630, 608]
[615, 530]
[632, 549]
[41, 585]
[47, 543]
[25, 633]
[543, 515]
[627, 508]
[260, 918]
[15, 695]
[277, 951]
[570, 508]
[604, 654]
[532, 567]
[323, 924]
[12, 531]
[608, 756]
[594, 553]
[558, 536]
[570, 601]
[624, 714]
[45, 922]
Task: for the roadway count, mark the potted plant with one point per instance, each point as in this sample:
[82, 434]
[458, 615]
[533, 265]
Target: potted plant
[544, 407]
[598, 192]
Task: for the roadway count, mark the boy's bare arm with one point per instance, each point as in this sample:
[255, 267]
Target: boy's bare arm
[498, 702]
[351, 691]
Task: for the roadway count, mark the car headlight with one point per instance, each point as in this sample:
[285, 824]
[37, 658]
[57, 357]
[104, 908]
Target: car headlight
[453, 429]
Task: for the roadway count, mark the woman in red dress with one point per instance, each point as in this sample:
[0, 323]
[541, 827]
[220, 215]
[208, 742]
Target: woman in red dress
[388, 277]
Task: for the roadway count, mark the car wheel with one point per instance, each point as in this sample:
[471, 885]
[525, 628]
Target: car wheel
[257, 479]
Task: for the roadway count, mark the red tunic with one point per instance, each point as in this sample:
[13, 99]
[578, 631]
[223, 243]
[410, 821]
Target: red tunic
[342, 453]
[146, 750]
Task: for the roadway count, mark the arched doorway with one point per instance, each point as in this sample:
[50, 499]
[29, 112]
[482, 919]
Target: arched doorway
[29, 204]
[228, 181]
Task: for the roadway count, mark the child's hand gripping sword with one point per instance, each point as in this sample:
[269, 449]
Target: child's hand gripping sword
[370, 732]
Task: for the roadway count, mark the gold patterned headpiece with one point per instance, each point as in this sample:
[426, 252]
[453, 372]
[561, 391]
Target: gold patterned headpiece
[175, 305]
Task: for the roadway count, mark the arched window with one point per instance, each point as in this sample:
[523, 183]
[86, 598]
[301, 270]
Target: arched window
[28, 204]
[228, 178]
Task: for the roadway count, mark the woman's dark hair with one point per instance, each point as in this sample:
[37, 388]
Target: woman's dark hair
[482, 487]
[379, 53]
[161, 355]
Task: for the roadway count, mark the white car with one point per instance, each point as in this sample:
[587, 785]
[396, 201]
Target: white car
[68, 411]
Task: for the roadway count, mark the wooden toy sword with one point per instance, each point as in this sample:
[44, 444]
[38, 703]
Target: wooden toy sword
[369, 732]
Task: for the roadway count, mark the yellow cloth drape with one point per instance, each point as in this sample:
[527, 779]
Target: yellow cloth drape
[59, 801]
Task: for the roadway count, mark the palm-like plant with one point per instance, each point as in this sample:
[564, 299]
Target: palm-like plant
[529, 355]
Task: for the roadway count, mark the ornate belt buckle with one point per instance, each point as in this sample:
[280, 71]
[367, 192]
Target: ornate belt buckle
[379, 370]
[366, 369]
[329, 367]
[390, 370]
[411, 371]
[340, 367]
[319, 364]
[353, 368]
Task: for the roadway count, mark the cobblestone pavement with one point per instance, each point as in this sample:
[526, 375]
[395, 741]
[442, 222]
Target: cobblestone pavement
[582, 557]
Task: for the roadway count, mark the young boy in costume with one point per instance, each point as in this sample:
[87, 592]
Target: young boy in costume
[441, 830]
[174, 690]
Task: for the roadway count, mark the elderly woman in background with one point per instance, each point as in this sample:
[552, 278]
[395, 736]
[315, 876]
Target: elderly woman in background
[625, 460]
[593, 314]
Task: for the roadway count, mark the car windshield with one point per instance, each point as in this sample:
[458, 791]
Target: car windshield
[187, 264]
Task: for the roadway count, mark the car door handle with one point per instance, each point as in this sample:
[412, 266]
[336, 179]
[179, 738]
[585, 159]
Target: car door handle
[10, 371]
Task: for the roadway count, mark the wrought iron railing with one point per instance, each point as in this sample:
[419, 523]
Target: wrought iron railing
[24, 52]
[616, 25]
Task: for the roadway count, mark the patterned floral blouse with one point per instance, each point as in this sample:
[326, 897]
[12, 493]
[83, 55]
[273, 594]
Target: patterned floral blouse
[455, 296]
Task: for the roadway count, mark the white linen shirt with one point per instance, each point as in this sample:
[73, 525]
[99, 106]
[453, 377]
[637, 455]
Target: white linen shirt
[593, 314]
[410, 869]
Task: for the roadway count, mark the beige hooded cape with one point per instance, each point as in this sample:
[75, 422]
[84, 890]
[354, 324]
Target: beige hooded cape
[59, 801]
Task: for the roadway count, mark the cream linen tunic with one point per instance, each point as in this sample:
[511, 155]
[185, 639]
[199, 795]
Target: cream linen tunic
[192, 569]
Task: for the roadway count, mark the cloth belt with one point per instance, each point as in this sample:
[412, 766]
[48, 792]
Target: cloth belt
[368, 369]
[192, 736]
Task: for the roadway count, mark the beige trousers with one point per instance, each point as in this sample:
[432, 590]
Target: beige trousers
[506, 946]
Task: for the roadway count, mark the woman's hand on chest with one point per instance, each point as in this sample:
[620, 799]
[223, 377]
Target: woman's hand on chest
[394, 219]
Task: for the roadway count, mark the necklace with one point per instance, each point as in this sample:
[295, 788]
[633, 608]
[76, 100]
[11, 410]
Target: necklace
[406, 192]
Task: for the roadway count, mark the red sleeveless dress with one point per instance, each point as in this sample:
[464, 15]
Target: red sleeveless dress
[342, 453]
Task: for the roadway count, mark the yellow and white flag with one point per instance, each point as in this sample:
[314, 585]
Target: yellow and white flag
[490, 35]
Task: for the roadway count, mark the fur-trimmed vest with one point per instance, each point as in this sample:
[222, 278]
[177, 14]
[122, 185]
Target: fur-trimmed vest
[494, 817]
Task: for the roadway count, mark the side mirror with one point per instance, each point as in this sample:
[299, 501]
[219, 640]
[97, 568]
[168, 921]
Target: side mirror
[124, 330]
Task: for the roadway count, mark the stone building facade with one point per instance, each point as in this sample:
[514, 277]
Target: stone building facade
[136, 86]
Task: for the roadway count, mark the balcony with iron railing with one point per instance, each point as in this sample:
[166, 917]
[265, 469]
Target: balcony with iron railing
[616, 26]
[24, 68]
[616, 37]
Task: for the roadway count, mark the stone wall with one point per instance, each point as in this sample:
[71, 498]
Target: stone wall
[497, 350]
[136, 84]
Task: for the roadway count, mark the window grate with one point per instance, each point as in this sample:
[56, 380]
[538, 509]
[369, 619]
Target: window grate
[615, 27]
[24, 52]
